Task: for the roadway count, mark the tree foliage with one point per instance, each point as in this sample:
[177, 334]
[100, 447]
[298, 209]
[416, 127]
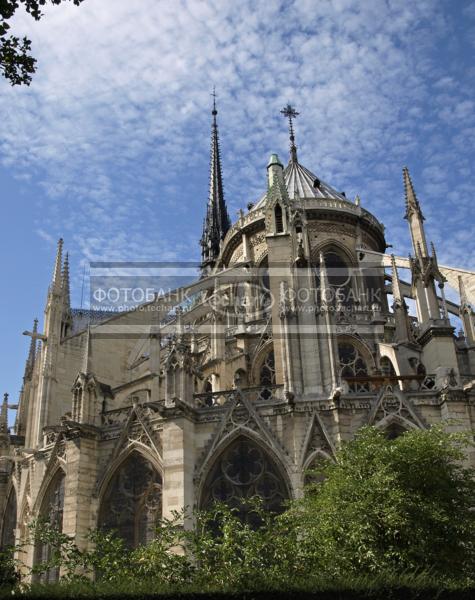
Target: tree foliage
[16, 63]
[391, 505]
[396, 511]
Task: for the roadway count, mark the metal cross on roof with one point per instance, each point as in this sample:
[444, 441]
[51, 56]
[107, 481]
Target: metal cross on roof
[290, 112]
[215, 112]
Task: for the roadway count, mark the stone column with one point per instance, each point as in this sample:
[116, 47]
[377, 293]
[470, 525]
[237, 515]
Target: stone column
[178, 467]
[80, 503]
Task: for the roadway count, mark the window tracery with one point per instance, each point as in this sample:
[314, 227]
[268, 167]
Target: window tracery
[241, 472]
[352, 364]
[267, 376]
[51, 511]
[132, 503]
[340, 295]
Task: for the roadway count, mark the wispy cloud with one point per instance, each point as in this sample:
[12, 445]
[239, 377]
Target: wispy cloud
[115, 125]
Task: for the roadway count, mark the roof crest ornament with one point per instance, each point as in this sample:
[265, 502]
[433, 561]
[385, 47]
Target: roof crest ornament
[290, 112]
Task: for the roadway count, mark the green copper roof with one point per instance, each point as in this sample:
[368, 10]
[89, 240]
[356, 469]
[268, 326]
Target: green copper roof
[274, 160]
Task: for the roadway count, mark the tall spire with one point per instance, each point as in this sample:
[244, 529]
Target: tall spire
[463, 294]
[396, 284]
[65, 283]
[30, 362]
[217, 220]
[86, 357]
[56, 283]
[290, 112]
[466, 314]
[4, 415]
[414, 216]
[403, 327]
[412, 203]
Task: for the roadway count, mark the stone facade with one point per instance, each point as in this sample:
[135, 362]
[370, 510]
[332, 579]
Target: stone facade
[288, 345]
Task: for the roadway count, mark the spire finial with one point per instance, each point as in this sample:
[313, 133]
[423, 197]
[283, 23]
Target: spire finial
[290, 112]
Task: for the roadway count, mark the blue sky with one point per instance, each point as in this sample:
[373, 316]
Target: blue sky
[109, 146]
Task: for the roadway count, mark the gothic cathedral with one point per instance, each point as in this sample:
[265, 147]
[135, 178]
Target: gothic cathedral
[295, 333]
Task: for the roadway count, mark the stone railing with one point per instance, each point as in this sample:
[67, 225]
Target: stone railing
[343, 205]
[271, 393]
[243, 221]
[367, 384]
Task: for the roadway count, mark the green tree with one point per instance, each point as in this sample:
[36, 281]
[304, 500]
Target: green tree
[402, 505]
[16, 63]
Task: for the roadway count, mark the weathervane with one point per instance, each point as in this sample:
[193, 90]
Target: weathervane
[290, 112]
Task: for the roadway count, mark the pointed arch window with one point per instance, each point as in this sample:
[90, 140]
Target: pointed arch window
[267, 375]
[393, 431]
[353, 364]
[264, 285]
[9, 520]
[340, 294]
[279, 219]
[208, 390]
[132, 503]
[52, 508]
[172, 378]
[242, 471]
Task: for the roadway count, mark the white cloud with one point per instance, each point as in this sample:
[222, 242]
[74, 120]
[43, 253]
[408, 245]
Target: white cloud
[115, 124]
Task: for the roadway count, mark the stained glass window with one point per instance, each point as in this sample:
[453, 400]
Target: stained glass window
[132, 503]
[243, 471]
[51, 510]
[9, 520]
[341, 292]
[352, 364]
